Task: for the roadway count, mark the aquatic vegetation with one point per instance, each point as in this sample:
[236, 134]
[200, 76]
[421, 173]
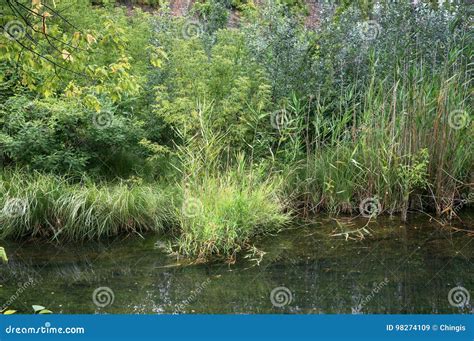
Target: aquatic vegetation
[214, 215]
[221, 215]
[222, 208]
[37, 309]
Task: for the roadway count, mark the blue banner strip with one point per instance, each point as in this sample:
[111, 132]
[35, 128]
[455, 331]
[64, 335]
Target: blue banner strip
[237, 327]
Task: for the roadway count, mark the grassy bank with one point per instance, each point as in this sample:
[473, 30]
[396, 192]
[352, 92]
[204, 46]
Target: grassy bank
[217, 216]
[45, 206]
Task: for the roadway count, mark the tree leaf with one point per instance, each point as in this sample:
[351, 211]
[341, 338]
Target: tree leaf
[66, 55]
[76, 36]
[36, 4]
[90, 39]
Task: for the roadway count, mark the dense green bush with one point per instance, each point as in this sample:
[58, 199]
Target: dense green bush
[64, 137]
[282, 45]
[81, 109]
[225, 92]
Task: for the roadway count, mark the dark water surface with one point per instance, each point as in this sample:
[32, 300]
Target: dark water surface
[398, 268]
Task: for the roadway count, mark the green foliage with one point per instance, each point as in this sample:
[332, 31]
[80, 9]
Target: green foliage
[359, 107]
[222, 211]
[221, 208]
[64, 136]
[282, 45]
[215, 13]
[52, 207]
[93, 56]
[234, 210]
[225, 92]
[374, 104]
[74, 101]
[415, 172]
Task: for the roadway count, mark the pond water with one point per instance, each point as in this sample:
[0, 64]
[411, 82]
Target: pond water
[397, 268]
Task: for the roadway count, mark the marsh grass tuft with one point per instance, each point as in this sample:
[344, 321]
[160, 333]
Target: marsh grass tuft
[233, 203]
[234, 209]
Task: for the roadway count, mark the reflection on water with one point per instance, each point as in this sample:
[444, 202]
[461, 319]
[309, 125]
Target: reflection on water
[396, 269]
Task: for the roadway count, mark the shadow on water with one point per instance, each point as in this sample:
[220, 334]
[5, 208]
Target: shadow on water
[397, 268]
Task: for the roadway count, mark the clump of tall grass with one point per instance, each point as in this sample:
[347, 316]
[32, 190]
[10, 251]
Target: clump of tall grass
[224, 207]
[402, 146]
[395, 122]
[49, 206]
[221, 215]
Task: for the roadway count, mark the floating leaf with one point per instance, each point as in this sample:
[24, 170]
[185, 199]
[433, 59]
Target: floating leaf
[45, 311]
[38, 308]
